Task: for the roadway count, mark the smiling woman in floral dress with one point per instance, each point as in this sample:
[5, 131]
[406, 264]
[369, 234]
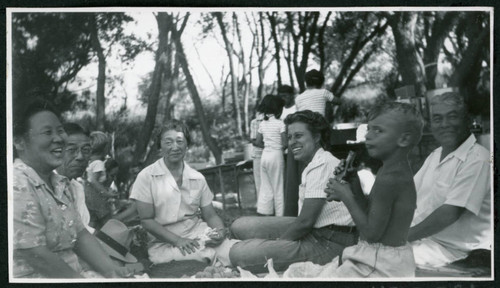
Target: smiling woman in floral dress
[49, 236]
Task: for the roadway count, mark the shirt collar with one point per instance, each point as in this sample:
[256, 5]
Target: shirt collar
[463, 149]
[59, 182]
[159, 168]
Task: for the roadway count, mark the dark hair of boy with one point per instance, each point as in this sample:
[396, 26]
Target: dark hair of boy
[314, 79]
[285, 89]
[271, 105]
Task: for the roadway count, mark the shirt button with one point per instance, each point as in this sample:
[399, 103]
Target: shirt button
[70, 223]
[63, 207]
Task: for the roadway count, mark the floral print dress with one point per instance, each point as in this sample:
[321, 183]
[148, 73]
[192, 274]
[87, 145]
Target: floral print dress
[43, 217]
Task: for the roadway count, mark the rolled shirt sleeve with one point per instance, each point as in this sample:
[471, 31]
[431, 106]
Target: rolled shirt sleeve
[141, 189]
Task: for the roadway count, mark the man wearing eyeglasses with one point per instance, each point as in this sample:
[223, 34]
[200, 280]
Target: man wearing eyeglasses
[75, 160]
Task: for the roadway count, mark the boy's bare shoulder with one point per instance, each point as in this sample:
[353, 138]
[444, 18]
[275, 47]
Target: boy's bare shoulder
[393, 181]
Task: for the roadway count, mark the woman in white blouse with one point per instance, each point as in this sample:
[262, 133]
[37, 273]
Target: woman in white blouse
[169, 194]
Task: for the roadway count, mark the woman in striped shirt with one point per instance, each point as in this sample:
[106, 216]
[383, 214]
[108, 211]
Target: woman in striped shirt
[272, 135]
[322, 229]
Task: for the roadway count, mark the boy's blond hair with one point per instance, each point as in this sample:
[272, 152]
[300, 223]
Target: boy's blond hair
[99, 142]
[411, 118]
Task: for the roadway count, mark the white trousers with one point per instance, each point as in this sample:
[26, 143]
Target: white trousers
[271, 198]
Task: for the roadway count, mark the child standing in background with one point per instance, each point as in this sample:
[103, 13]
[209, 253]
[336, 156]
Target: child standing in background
[272, 136]
[315, 97]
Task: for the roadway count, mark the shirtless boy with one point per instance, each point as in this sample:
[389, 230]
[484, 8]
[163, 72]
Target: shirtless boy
[383, 219]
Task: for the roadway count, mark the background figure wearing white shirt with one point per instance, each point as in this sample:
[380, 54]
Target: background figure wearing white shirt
[287, 93]
[292, 172]
[315, 97]
[76, 157]
[453, 215]
[272, 135]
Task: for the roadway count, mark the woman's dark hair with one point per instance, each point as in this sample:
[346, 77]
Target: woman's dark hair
[271, 104]
[315, 122]
[73, 128]
[110, 164]
[175, 125]
[314, 78]
[23, 114]
[286, 89]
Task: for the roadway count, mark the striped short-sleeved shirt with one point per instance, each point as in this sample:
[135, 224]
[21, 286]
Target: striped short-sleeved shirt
[314, 100]
[271, 130]
[314, 180]
[254, 127]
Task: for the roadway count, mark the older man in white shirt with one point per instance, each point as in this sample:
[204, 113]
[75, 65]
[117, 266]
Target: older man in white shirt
[453, 215]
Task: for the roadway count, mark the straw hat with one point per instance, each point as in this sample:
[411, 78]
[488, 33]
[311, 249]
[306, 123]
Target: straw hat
[115, 238]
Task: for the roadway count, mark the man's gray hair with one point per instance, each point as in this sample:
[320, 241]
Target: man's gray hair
[449, 98]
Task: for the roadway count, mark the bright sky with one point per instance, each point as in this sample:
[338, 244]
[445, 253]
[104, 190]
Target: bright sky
[211, 55]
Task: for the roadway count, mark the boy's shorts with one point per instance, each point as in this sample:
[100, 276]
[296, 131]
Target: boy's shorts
[376, 260]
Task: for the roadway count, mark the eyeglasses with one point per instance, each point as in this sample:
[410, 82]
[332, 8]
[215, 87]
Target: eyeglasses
[73, 150]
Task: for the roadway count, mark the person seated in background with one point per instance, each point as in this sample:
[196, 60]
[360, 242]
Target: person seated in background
[75, 160]
[322, 229]
[169, 195]
[315, 97]
[48, 236]
[98, 192]
[383, 219]
[453, 215]
[96, 171]
[271, 135]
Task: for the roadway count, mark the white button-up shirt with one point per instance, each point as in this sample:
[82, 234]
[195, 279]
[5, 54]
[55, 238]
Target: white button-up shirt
[156, 185]
[461, 179]
[314, 179]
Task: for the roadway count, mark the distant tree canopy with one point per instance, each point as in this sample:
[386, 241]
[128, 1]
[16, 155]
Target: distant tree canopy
[357, 51]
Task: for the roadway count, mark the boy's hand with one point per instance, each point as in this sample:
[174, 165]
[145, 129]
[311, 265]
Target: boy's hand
[337, 191]
[340, 168]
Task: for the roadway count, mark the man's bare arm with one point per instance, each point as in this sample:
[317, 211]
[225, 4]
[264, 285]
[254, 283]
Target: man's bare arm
[441, 218]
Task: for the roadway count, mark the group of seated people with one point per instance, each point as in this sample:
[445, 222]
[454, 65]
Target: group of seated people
[434, 217]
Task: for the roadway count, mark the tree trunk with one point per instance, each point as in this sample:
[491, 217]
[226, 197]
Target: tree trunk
[234, 78]
[101, 75]
[154, 88]
[443, 22]
[274, 35]
[193, 91]
[410, 64]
